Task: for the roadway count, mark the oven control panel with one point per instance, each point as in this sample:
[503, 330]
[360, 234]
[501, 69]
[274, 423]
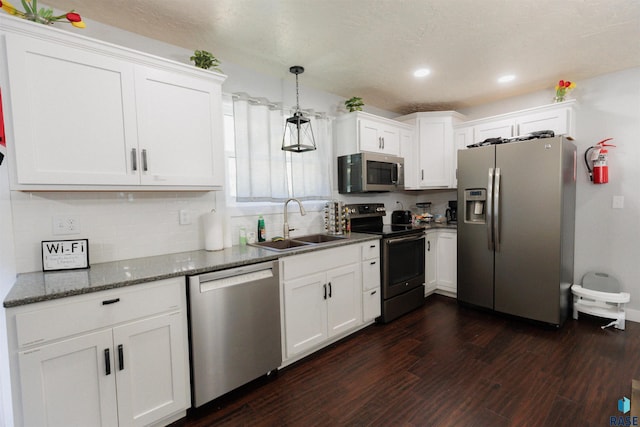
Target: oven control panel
[361, 210]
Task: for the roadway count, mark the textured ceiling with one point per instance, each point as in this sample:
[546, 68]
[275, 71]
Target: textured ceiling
[369, 48]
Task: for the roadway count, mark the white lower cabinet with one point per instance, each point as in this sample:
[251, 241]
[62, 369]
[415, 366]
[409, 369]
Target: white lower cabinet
[440, 262]
[430, 265]
[446, 261]
[65, 383]
[324, 296]
[324, 303]
[126, 364]
[371, 305]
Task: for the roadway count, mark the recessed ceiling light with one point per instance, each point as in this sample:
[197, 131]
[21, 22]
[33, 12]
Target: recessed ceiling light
[507, 78]
[422, 72]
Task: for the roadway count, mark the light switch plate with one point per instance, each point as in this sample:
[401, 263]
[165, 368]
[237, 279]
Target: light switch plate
[618, 202]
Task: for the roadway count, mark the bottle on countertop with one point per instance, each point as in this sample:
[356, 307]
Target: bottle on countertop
[262, 232]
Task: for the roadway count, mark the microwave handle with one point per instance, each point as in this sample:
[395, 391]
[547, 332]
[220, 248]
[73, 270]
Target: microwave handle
[396, 181]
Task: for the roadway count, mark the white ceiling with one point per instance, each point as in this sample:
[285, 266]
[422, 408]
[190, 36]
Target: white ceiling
[370, 48]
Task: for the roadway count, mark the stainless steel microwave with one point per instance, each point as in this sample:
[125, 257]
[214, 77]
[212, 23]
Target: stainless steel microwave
[370, 172]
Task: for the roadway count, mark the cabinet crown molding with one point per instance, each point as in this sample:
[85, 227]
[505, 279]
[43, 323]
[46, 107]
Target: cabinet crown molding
[52, 34]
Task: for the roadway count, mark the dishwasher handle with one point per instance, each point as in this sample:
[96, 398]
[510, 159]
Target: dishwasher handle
[233, 277]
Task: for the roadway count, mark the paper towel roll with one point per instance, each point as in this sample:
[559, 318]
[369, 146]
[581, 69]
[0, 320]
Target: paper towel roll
[213, 235]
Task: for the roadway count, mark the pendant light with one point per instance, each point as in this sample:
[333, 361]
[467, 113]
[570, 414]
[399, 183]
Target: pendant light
[298, 135]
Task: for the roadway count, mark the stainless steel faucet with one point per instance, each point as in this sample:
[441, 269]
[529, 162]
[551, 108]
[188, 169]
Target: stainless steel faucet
[286, 220]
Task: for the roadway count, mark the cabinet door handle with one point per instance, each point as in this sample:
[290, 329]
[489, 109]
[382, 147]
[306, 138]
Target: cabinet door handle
[325, 290]
[374, 292]
[373, 263]
[422, 174]
[383, 142]
[144, 160]
[120, 357]
[329, 289]
[134, 159]
[107, 362]
[111, 301]
[428, 245]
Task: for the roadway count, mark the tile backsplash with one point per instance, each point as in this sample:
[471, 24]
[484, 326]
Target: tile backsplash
[118, 225]
[123, 225]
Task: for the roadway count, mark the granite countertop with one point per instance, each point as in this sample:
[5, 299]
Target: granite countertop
[436, 225]
[43, 286]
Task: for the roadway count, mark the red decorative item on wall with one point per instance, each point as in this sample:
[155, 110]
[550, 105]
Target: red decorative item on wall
[2, 139]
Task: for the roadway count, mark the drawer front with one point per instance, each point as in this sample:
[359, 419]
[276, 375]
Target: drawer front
[371, 249]
[371, 307]
[319, 261]
[370, 274]
[51, 320]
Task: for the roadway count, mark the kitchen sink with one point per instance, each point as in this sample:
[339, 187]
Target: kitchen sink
[318, 238]
[298, 242]
[280, 245]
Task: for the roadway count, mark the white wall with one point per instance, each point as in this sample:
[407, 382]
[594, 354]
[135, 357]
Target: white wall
[7, 277]
[606, 238]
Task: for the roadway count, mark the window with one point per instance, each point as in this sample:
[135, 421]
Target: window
[257, 169]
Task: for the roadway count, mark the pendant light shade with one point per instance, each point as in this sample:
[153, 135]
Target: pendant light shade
[298, 134]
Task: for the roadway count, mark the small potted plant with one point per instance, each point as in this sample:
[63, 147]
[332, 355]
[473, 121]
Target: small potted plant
[205, 60]
[44, 15]
[354, 104]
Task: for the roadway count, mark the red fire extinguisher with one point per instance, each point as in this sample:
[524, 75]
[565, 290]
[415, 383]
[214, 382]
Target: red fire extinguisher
[597, 164]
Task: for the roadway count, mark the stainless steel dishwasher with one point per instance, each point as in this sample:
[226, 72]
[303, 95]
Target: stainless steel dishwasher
[235, 328]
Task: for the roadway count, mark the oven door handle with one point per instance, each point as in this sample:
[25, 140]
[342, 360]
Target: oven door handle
[390, 241]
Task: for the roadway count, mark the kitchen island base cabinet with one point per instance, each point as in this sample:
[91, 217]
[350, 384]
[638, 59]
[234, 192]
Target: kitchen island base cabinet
[130, 371]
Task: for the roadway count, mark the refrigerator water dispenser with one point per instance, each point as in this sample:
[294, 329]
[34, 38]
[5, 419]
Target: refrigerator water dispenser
[475, 201]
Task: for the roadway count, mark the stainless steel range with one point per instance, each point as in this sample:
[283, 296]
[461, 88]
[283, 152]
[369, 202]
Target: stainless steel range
[402, 259]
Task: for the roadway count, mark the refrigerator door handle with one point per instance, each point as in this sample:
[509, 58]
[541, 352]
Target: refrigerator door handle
[489, 208]
[496, 210]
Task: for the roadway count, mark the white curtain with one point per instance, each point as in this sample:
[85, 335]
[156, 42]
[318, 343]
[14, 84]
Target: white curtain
[266, 173]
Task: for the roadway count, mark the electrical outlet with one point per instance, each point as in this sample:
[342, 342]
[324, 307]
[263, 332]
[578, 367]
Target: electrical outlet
[185, 217]
[65, 224]
[618, 202]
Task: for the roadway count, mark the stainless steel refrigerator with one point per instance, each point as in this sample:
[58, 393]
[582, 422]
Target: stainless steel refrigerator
[516, 214]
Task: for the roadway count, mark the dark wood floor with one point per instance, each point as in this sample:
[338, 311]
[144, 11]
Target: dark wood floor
[446, 365]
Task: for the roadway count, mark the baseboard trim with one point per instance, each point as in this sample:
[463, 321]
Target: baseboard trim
[632, 315]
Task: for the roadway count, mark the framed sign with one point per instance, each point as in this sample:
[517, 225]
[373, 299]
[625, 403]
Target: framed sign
[65, 254]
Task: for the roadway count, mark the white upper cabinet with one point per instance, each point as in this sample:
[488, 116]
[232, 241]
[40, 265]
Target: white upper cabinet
[359, 131]
[177, 130]
[82, 114]
[432, 163]
[494, 129]
[73, 114]
[556, 117]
